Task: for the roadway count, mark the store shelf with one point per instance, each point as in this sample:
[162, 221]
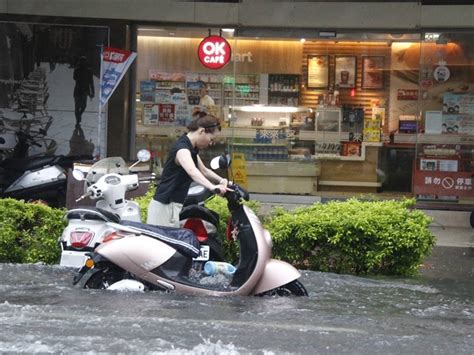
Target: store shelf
[283, 89]
[433, 138]
[259, 144]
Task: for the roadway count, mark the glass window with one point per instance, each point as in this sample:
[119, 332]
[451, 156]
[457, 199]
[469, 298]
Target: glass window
[356, 112]
[445, 151]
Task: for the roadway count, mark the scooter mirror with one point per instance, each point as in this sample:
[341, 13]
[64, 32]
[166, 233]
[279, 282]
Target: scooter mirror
[78, 175]
[143, 155]
[220, 162]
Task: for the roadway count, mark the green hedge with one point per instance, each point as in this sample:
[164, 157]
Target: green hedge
[29, 232]
[353, 236]
[359, 237]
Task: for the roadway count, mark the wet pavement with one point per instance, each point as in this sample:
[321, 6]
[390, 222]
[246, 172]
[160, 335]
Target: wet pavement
[40, 311]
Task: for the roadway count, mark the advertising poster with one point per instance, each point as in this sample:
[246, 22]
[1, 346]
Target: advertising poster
[49, 87]
[159, 75]
[433, 122]
[318, 71]
[372, 72]
[454, 103]
[150, 114]
[457, 124]
[345, 72]
[166, 114]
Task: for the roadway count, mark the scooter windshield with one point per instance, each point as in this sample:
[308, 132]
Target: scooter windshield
[112, 165]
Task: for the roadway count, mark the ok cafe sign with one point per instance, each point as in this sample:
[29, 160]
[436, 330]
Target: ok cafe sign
[214, 52]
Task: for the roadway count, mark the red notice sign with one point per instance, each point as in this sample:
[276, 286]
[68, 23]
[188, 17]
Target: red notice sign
[443, 183]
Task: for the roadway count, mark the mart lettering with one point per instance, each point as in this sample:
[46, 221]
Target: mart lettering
[243, 57]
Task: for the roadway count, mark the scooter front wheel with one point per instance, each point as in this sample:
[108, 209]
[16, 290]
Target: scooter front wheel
[293, 288]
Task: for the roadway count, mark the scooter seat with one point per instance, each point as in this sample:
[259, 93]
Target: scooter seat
[181, 239]
[197, 211]
[97, 214]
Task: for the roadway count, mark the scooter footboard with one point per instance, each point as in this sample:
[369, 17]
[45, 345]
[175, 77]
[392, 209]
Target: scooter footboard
[277, 273]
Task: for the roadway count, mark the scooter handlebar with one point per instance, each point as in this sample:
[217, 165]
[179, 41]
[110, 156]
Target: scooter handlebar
[147, 178]
[87, 194]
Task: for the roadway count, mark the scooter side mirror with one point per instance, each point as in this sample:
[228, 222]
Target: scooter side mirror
[78, 175]
[143, 155]
[220, 162]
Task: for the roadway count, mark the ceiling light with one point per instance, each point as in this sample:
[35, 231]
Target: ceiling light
[327, 34]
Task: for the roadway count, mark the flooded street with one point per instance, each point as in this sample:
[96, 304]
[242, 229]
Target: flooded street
[40, 311]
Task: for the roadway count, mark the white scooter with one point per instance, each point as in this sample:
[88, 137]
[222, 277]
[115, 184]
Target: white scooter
[159, 258]
[106, 181]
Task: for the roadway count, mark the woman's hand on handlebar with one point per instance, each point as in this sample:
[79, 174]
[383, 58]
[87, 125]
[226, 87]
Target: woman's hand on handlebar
[222, 187]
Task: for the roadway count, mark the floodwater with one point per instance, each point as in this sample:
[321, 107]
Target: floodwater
[40, 311]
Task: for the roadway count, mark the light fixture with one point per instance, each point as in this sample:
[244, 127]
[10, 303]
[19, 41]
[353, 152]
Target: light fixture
[261, 108]
[327, 34]
[431, 36]
[302, 40]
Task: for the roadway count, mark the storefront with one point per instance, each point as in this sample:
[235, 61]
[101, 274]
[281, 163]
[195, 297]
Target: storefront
[354, 112]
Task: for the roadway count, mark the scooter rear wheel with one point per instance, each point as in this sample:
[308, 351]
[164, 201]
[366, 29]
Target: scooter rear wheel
[293, 288]
[104, 278]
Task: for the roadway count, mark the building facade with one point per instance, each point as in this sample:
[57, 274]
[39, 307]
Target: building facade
[317, 96]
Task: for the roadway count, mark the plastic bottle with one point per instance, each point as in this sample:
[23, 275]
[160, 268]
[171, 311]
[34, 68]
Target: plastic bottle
[215, 267]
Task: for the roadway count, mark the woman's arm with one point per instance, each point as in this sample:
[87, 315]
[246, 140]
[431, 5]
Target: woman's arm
[183, 158]
[208, 173]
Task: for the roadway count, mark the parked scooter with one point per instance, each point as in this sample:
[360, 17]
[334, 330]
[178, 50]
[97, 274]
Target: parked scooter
[38, 178]
[107, 181]
[162, 258]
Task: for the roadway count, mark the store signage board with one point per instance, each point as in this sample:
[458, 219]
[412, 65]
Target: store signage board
[214, 52]
[443, 183]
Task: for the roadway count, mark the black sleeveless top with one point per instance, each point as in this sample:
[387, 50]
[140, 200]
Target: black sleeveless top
[175, 180]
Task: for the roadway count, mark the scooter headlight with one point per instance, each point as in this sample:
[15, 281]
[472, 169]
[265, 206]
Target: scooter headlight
[112, 180]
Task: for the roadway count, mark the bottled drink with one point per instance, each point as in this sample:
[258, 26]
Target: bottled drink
[218, 267]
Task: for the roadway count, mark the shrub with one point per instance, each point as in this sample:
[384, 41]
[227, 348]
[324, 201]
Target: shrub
[144, 200]
[361, 237]
[29, 232]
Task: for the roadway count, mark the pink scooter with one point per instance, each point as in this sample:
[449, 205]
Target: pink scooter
[161, 258]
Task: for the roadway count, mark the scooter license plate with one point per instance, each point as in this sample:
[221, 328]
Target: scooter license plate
[203, 254]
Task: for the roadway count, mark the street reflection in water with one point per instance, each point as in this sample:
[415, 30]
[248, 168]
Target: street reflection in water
[40, 311]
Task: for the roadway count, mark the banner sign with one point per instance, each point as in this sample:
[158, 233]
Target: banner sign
[115, 62]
